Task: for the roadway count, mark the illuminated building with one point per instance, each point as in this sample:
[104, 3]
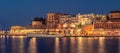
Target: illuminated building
[114, 14]
[100, 18]
[107, 25]
[85, 19]
[112, 23]
[61, 23]
[73, 19]
[52, 19]
[36, 23]
[69, 25]
[18, 30]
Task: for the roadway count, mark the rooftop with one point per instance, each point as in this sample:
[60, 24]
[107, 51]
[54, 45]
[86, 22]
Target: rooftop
[114, 11]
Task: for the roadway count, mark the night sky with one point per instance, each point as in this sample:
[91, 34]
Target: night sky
[21, 12]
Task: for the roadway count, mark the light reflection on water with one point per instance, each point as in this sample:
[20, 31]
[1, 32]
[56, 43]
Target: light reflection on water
[17, 43]
[57, 45]
[32, 46]
[119, 45]
[101, 48]
[22, 44]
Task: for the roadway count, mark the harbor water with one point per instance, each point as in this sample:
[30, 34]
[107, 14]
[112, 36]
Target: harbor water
[23, 44]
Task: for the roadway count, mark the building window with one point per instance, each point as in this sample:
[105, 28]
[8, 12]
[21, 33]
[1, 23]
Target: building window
[111, 15]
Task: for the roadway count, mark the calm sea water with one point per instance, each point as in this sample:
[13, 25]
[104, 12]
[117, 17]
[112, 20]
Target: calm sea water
[22, 44]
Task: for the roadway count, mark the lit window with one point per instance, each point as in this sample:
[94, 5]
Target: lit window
[65, 25]
[72, 25]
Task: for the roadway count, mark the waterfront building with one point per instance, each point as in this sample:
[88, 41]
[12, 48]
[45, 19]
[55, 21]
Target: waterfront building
[111, 26]
[69, 28]
[18, 30]
[36, 23]
[114, 14]
[112, 23]
[85, 19]
[73, 19]
[100, 18]
[52, 19]
[107, 25]
[86, 22]
[68, 25]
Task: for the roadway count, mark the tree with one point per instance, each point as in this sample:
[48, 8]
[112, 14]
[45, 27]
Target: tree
[80, 26]
[36, 19]
[39, 19]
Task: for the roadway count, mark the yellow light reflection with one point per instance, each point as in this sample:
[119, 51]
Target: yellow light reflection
[2, 36]
[64, 44]
[2, 44]
[80, 45]
[119, 44]
[72, 44]
[101, 44]
[90, 44]
[32, 46]
[18, 37]
[57, 46]
[17, 45]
